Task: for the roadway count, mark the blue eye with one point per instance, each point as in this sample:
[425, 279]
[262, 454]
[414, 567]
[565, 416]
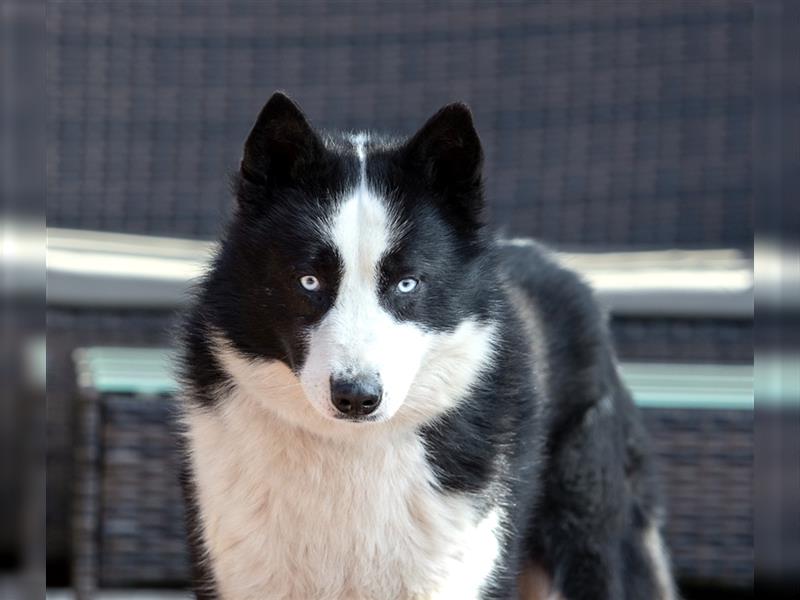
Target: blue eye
[409, 284]
[309, 283]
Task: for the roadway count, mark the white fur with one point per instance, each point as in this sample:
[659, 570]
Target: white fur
[531, 320]
[659, 557]
[289, 514]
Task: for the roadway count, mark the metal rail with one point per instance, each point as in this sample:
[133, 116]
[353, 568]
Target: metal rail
[97, 269]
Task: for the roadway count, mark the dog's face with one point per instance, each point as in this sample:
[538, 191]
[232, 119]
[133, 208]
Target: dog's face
[352, 275]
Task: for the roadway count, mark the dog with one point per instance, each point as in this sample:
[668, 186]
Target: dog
[382, 400]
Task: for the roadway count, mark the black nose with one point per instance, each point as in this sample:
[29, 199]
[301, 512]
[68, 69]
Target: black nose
[356, 397]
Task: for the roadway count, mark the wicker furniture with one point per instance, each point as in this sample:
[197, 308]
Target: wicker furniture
[128, 521]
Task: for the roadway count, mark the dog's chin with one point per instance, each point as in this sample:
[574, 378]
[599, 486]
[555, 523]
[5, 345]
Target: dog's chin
[324, 419]
[304, 415]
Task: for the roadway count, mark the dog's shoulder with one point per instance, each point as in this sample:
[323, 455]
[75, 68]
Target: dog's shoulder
[557, 290]
[567, 329]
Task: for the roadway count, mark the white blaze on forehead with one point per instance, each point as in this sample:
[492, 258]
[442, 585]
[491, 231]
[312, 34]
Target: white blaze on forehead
[359, 142]
[361, 229]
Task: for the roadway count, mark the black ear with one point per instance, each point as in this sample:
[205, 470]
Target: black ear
[448, 152]
[281, 143]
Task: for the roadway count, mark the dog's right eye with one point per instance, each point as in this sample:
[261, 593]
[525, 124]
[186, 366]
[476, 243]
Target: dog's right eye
[407, 285]
[309, 283]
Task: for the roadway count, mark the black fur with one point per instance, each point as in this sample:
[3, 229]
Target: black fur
[570, 462]
[598, 490]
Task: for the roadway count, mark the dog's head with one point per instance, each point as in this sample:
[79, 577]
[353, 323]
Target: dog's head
[355, 277]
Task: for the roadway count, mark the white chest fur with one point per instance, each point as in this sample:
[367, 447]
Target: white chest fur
[286, 514]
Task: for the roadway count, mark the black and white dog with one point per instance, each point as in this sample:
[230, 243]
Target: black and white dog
[382, 401]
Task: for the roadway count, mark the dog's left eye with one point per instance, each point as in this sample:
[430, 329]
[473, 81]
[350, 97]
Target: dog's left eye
[309, 283]
[409, 284]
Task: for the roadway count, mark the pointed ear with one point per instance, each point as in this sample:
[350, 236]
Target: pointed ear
[280, 145]
[448, 152]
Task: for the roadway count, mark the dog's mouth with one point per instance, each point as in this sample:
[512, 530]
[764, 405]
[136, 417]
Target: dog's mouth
[358, 420]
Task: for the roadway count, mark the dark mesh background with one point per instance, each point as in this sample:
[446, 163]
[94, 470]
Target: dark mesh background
[605, 124]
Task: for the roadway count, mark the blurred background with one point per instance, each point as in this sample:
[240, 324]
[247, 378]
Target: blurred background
[618, 132]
